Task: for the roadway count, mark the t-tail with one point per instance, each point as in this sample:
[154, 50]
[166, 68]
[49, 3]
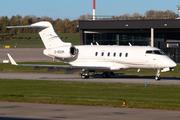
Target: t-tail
[55, 47]
[47, 34]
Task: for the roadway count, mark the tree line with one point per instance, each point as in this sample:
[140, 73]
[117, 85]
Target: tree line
[60, 26]
[68, 26]
[150, 14]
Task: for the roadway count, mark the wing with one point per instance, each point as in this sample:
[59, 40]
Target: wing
[52, 68]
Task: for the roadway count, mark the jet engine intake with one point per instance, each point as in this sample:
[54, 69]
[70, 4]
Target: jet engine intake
[73, 51]
[62, 52]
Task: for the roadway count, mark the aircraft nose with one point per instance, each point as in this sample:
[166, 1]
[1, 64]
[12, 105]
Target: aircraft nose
[172, 64]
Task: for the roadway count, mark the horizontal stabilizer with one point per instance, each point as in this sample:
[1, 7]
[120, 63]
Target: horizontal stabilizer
[27, 26]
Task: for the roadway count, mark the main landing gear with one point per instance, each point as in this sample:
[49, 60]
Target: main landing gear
[106, 75]
[85, 74]
[157, 77]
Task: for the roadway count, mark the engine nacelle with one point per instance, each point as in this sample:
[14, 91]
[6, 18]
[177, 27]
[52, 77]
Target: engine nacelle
[61, 52]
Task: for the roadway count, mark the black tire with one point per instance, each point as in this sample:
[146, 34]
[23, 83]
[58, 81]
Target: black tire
[105, 75]
[157, 78]
[84, 76]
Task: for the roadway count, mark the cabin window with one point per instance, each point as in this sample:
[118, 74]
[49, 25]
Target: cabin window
[120, 54]
[102, 54]
[108, 54]
[126, 55]
[114, 54]
[96, 53]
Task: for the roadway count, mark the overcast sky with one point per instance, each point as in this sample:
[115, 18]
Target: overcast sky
[72, 9]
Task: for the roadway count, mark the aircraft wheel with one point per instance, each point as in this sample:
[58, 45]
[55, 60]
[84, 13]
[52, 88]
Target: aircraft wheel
[157, 78]
[106, 75]
[84, 76]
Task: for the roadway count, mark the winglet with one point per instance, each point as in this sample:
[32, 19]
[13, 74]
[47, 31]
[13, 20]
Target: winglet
[11, 60]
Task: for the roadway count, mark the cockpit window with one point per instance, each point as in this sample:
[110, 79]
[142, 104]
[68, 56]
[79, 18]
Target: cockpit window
[157, 52]
[149, 51]
[162, 52]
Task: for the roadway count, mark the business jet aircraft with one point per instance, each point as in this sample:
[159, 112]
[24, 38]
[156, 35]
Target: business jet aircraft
[97, 58]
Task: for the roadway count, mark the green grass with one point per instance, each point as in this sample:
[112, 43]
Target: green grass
[94, 94]
[73, 38]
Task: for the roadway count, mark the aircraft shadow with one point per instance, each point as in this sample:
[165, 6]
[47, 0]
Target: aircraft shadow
[133, 77]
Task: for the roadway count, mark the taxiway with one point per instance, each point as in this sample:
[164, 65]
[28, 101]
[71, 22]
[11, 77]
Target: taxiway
[33, 111]
[93, 78]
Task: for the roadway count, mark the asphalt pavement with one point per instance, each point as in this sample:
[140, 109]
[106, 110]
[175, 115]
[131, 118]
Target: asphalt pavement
[34, 111]
[25, 55]
[93, 78]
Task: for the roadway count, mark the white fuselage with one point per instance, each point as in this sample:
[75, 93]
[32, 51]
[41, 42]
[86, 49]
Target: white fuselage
[120, 57]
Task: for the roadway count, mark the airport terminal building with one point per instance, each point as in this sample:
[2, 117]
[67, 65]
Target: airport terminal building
[164, 34]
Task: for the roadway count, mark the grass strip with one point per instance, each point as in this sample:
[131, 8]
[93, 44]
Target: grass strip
[93, 94]
[73, 38]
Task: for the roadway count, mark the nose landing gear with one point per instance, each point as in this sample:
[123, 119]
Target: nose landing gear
[157, 77]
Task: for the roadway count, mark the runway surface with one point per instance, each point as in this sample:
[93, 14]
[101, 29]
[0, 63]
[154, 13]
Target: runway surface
[31, 111]
[25, 55]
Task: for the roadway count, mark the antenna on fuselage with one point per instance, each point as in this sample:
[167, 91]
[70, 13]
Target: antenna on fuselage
[97, 43]
[130, 44]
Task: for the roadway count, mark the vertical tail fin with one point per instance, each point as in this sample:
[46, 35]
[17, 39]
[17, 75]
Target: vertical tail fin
[47, 34]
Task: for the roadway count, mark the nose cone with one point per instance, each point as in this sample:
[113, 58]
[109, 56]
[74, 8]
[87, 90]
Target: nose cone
[172, 64]
[165, 62]
[168, 62]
